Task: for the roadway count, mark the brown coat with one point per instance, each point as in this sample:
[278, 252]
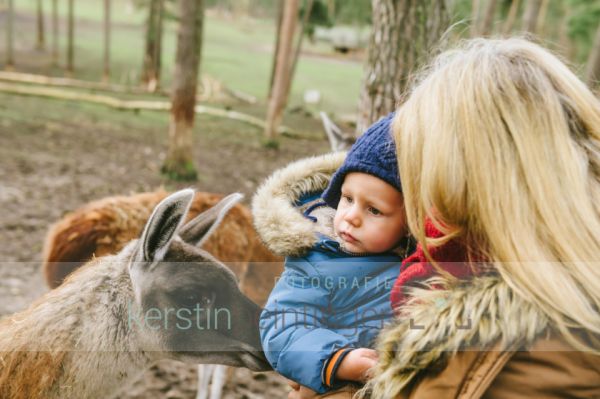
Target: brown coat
[550, 369]
[423, 355]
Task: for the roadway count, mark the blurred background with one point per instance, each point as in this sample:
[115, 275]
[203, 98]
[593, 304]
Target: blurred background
[113, 97]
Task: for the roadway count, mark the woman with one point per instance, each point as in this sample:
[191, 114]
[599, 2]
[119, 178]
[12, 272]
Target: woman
[499, 150]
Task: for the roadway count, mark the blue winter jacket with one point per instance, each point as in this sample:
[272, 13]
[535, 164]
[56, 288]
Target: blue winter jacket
[324, 301]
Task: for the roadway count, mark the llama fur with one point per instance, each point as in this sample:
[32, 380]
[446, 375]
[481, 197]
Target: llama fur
[105, 226]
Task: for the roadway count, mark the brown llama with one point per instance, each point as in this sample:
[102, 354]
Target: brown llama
[105, 226]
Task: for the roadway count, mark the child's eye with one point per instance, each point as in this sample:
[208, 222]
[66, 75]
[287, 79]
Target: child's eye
[374, 211]
[347, 198]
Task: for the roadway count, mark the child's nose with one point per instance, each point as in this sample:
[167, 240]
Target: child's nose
[352, 216]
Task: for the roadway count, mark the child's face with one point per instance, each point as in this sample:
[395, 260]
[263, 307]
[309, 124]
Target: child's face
[370, 216]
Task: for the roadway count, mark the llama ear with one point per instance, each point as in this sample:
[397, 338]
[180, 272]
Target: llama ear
[163, 225]
[199, 229]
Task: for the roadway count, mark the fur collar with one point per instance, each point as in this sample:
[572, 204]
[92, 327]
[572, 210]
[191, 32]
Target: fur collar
[279, 223]
[448, 317]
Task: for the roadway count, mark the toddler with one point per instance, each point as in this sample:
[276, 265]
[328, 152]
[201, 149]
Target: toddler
[331, 301]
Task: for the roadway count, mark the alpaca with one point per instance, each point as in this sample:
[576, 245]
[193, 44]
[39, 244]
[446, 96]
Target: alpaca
[104, 227]
[118, 314]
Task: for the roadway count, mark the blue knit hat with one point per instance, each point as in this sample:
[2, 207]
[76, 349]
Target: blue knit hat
[374, 153]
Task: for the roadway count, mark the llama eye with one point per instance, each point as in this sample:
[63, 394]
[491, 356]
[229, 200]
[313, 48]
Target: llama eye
[191, 300]
[209, 299]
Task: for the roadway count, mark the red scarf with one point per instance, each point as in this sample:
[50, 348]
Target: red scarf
[452, 257]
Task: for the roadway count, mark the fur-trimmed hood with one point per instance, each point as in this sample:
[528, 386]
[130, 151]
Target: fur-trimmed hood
[279, 223]
[448, 317]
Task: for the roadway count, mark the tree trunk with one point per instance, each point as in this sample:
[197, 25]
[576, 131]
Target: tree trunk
[280, 5]
[403, 35]
[475, 6]
[592, 74]
[55, 33]
[530, 15]
[150, 40]
[487, 22]
[282, 71]
[106, 74]
[307, 10]
[10, 16]
[540, 26]
[70, 38]
[153, 49]
[511, 17]
[331, 9]
[567, 48]
[41, 42]
[179, 163]
[154, 83]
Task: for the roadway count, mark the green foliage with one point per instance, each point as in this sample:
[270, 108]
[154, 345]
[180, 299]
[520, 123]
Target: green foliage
[504, 6]
[350, 12]
[319, 16]
[584, 19]
[461, 10]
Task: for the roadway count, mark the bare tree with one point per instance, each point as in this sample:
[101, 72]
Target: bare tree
[565, 43]
[10, 17]
[404, 34]
[475, 6]
[282, 71]
[41, 40]
[308, 5]
[530, 15]
[541, 20]
[486, 24]
[179, 163]
[153, 47]
[280, 5]
[331, 8]
[511, 17]
[592, 73]
[106, 74]
[70, 37]
[55, 33]
[154, 83]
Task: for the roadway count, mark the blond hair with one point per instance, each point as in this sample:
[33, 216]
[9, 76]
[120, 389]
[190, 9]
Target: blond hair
[499, 144]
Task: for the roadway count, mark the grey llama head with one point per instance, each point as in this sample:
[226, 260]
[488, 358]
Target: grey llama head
[188, 302]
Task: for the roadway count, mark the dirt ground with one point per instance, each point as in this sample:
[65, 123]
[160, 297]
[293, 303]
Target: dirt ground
[56, 156]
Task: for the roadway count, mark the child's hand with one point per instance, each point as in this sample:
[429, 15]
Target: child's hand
[356, 364]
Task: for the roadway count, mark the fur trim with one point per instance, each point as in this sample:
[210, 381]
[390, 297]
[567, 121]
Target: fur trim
[280, 225]
[439, 321]
[324, 215]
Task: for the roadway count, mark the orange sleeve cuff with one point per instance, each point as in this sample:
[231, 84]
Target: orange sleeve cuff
[332, 365]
